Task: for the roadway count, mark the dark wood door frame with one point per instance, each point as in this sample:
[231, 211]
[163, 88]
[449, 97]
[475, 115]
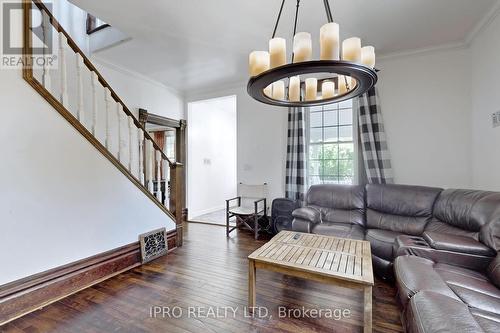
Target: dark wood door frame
[180, 144]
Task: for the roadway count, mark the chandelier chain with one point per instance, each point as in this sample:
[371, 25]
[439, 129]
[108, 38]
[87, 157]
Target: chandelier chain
[296, 18]
[295, 24]
[328, 11]
[278, 19]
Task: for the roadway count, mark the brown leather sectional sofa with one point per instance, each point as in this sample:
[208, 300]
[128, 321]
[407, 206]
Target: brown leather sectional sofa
[440, 245]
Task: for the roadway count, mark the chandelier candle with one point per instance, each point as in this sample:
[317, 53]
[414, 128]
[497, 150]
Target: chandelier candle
[279, 90]
[329, 42]
[343, 82]
[311, 89]
[368, 56]
[277, 50]
[328, 89]
[268, 91]
[258, 62]
[351, 50]
[294, 89]
[302, 47]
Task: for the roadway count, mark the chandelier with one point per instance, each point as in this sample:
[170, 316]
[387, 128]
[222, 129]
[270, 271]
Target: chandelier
[339, 75]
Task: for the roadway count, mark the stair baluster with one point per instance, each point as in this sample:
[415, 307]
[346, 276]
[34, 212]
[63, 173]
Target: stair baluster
[107, 100]
[150, 165]
[119, 111]
[130, 142]
[95, 107]
[79, 87]
[158, 175]
[47, 27]
[166, 175]
[141, 157]
[63, 70]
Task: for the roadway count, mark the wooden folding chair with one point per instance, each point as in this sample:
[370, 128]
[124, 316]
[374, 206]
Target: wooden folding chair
[251, 204]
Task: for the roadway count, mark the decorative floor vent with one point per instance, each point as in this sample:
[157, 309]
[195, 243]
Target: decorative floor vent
[153, 244]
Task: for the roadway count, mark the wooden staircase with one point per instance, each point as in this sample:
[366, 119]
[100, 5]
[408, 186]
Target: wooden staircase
[77, 90]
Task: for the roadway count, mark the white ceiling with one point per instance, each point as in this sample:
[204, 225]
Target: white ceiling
[200, 44]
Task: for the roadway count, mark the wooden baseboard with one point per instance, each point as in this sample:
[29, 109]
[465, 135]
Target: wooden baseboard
[29, 294]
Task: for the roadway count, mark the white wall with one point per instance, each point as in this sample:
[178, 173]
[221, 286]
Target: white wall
[138, 91]
[426, 106]
[261, 139]
[60, 199]
[485, 61]
[212, 160]
[74, 21]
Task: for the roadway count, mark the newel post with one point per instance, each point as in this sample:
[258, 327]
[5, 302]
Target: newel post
[177, 202]
[180, 154]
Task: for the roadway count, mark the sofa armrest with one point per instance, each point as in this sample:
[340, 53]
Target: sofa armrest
[454, 243]
[308, 214]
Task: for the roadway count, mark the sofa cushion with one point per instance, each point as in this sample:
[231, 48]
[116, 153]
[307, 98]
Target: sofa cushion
[466, 209]
[338, 203]
[342, 230]
[480, 295]
[401, 208]
[415, 274]
[472, 287]
[382, 242]
[454, 272]
[430, 312]
[437, 226]
[488, 321]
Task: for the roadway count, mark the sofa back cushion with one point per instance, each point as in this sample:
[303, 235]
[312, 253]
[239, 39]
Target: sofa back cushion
[494, 271]
[468, 210]
[338, 203]
[400, 208]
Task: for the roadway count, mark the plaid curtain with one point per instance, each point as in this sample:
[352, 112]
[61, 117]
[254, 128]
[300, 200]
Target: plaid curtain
[373, 143]
[295, 158]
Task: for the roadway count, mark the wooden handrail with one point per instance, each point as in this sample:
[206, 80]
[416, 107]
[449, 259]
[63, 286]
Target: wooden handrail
[88, 63]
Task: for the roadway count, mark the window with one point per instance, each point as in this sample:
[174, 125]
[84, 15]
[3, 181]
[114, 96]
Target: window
[331, 155]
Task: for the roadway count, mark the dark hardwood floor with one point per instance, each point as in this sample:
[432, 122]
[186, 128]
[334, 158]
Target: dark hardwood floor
[208, 271]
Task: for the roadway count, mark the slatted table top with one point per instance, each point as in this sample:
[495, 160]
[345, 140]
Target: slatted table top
[340, 258]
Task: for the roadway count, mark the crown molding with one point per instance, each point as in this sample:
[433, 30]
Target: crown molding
[484, 23]
[424, 50]
[139, 76]
[202, 93]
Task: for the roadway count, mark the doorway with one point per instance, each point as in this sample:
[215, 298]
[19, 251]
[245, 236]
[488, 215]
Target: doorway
[212, 158]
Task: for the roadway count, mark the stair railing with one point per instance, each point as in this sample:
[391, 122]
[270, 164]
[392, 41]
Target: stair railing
[77, 90]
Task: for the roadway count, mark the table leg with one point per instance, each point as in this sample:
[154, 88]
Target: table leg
[251, 285]
[368, 309]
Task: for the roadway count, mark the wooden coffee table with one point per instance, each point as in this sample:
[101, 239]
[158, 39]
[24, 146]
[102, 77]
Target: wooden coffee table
[342, 262]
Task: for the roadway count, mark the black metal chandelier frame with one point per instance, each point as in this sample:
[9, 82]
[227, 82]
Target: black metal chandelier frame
[365, 76]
